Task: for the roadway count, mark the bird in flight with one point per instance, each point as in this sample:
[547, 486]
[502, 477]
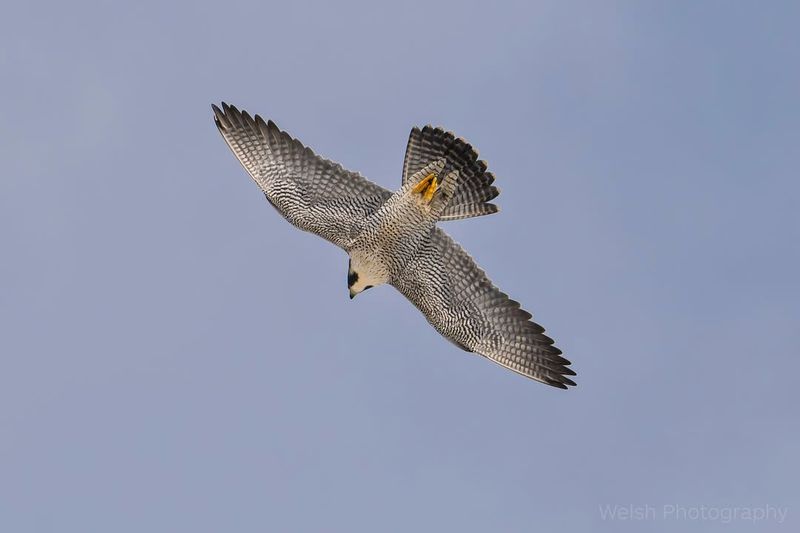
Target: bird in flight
[392, 237]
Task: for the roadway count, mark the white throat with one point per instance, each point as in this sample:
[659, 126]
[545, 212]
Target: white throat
[365, 272]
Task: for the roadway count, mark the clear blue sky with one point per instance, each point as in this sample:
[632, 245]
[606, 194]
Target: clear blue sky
[176, 357]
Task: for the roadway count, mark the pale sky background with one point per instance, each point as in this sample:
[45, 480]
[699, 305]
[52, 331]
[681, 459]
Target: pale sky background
[176, 357]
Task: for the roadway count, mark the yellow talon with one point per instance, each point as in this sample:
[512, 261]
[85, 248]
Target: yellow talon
[427, 187]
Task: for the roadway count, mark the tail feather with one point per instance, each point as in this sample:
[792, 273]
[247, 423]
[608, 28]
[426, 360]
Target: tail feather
[474, 190]
[456, 212]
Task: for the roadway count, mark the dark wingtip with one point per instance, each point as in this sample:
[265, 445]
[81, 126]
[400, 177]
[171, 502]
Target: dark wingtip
[219, 117]
[568, 372]
[561, 382]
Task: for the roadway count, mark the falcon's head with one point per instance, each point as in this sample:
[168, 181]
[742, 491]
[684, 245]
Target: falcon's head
[363, 274]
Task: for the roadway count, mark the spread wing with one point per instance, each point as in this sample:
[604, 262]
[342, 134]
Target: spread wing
[312, 193]
[475, 188]
[458, 300]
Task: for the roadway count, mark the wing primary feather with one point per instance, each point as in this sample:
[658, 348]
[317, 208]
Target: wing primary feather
[460, 302]
[313, 193]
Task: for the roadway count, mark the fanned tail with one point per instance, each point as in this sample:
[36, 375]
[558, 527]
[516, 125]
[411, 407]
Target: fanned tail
[474, 190]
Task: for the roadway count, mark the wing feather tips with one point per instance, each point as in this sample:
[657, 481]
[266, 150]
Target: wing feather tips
[262, 126]
[565, 381]
[531, 353]
[229, 116]
[247, 119]
[540, 370]
[558, 371]
[220, 119]
[556, 375]
[232, 114]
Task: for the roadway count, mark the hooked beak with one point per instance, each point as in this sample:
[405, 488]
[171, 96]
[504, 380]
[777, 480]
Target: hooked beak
[352, 294]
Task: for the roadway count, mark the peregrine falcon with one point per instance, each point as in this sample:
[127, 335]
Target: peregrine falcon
[393, 237]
